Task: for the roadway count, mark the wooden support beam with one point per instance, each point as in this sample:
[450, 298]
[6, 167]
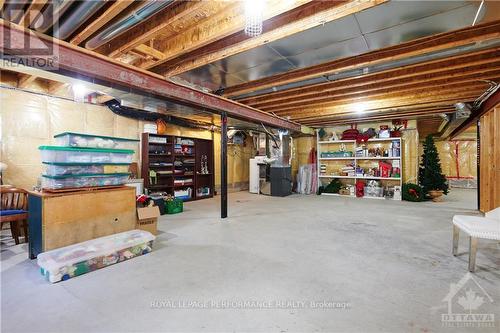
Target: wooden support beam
[484, 72]
[443, 41]
[425, 108]
[149, 51]
[400, 102]
[77, 62]
[286, 24]
[440, 66]
[150, 28]
[376, 117]
[33, 11]
[403, 105]
[369, 100]
[221, 25]
[25, 80]
[55, 87]
[379, 115]
[116, 8]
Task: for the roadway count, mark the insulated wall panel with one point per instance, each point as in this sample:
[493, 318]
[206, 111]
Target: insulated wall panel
[29, 120]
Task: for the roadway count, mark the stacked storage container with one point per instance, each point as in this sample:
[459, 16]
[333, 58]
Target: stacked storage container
[82, 160]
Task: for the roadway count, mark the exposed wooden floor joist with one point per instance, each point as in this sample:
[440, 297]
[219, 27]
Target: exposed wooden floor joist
[165, 20]
[385, 93]
[385, 116]
[373, 90]
[443, 41]
[25, 80]
[32, 12]
[218, 26]
[319, 117]
[291, 22]
[116, 8]
[406, 74]
[362, 105]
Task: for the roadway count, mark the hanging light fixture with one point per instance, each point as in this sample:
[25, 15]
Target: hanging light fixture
[254, 12]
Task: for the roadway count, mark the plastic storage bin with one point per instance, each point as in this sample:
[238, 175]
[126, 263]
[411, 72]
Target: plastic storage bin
[79, 140]
[73, 260]
[62, 169]
[85, 155]
[184, 194]
[174, 206]
[75, 181]
[374, 191]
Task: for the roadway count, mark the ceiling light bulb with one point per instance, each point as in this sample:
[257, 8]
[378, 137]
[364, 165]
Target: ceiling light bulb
[359, 107]
[254, 12]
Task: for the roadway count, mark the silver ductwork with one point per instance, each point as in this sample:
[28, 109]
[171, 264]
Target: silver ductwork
[462, 110]
[76, 18]
[143, 12]
[284, 152]
[455, 119]
[51, 15]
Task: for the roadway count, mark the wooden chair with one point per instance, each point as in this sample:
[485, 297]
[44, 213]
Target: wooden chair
[14, 210]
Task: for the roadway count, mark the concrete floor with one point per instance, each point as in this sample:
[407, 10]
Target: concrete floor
[386, 265]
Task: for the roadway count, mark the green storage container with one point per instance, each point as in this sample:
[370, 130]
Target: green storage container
[174, 206]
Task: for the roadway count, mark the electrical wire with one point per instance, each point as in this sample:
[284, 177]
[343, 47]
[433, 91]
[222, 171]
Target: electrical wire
[271, 135]
[484, 96]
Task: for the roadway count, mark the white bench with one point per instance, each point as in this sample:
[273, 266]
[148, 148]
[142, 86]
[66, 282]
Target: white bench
[487, 227]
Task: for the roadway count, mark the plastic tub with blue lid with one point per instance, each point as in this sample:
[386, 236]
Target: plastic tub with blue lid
[90, 180]
[79, 140]
[85, 155]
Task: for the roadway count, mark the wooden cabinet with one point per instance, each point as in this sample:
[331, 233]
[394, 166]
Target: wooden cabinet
[174, 164]
[57, 220]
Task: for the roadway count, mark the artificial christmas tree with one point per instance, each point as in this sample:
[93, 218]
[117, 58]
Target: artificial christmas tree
[430, 176]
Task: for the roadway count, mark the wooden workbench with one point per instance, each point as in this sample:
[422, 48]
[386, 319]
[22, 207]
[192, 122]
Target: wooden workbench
[61, 219]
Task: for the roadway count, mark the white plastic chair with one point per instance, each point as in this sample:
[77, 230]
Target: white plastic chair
[487, 227]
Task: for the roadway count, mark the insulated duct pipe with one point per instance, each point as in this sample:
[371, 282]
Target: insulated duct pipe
[76, 18]
[463, 111]
[138, 114]
[149, 8]
[14, 10]
[284, 151]
[51, 15]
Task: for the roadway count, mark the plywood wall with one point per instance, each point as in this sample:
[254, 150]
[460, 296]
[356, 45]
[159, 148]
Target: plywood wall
[489, 177]
[29, 120]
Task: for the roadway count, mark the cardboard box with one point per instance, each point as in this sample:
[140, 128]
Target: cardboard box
[147, 219]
